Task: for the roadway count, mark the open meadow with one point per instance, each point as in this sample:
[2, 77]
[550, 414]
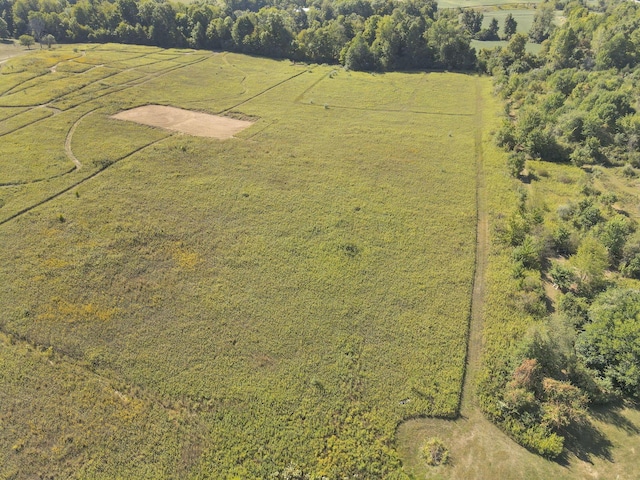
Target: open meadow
[294, 300]
[178, 306]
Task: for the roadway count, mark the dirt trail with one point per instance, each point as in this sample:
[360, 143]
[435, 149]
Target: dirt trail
[67, 141]
[474, 344]
[469, 435]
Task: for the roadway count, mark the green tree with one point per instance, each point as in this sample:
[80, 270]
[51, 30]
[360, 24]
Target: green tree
[591, 261]
[471, 21]
[615, 52]
[542, 23]
[37, 24]
[359, 56]
[450, 43]
[562, 276]
[48, 40]
[510, 26]
[610, 344]
[613, 236]
[564, 52]
[4, 29]
[26, 41]
[490, 33]
[515, 163]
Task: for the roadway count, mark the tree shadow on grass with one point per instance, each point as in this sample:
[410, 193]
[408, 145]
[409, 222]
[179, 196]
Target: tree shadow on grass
[612, 416]
[585, 441]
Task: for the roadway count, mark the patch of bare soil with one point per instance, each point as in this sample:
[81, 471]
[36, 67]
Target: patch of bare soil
[185, 121]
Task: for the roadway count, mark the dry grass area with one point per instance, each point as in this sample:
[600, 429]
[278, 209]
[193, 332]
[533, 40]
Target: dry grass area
[185, 121]
[9, 49]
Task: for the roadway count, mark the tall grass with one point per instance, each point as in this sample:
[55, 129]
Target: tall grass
[288, 296]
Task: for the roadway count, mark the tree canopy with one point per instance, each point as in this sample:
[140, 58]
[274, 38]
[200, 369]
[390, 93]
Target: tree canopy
[362, 34]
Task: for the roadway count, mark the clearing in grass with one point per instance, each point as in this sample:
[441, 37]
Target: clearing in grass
[185, 121]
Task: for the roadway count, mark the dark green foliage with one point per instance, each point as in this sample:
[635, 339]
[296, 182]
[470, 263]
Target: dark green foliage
[574, 307]
[510, 26]
[361, 34]
[630, 262]
[580, 105]
[542, 23]
[562, 240]
[359, 56]
[490, 33]
[586, 214]
[610, 343]
[613, 235]
[562, 276]
[471, 20]
[515, 163]
[451, 44]
[528, 253]
[4, 29]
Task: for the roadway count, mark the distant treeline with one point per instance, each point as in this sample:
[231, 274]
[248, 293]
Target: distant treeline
[361, 34]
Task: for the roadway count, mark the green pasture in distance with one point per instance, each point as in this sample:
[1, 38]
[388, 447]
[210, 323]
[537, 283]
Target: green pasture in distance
[287, 296]
[523, 17]
[483, 3]
[529, 47]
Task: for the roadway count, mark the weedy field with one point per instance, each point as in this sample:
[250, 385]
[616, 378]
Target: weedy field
[178, 306]
[478, 448]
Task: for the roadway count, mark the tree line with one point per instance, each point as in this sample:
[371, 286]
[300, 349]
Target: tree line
[360, 34]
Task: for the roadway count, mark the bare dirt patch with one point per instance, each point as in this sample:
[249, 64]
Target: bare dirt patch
[185, 121]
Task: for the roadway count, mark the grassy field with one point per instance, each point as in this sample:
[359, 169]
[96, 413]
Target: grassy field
[500, 4]
[181, 307]
[215, 309]
[478, 448]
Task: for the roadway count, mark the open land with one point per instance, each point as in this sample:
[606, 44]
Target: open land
[287, 295]
[177, 306]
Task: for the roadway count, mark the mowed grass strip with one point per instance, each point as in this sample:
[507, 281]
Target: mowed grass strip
[8, 112]
[23, 119]
[301, 289]
[53, 86]
[34, 149]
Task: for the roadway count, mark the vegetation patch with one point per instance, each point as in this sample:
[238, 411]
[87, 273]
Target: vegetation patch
[435, 453]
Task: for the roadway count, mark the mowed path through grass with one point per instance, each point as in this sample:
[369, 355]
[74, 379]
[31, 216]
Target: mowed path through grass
[478, 449]
[285, 297]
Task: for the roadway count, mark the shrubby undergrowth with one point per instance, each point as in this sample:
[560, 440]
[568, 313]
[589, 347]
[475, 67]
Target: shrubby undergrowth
[575, 103]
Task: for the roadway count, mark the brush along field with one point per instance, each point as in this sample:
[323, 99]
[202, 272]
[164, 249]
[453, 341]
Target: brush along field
[176, 306]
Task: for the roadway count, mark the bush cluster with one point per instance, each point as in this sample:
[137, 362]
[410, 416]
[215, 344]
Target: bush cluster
[575, 103]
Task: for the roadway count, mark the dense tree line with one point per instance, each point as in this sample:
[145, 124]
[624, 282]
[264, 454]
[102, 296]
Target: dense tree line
[576, 102]
[361, 34]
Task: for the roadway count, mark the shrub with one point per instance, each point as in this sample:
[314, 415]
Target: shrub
[528, 253]
[574, 307]
[629, 172]
[562, 276]
[563, 243]
[515, 163]
[630, 267]
[435, 453]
